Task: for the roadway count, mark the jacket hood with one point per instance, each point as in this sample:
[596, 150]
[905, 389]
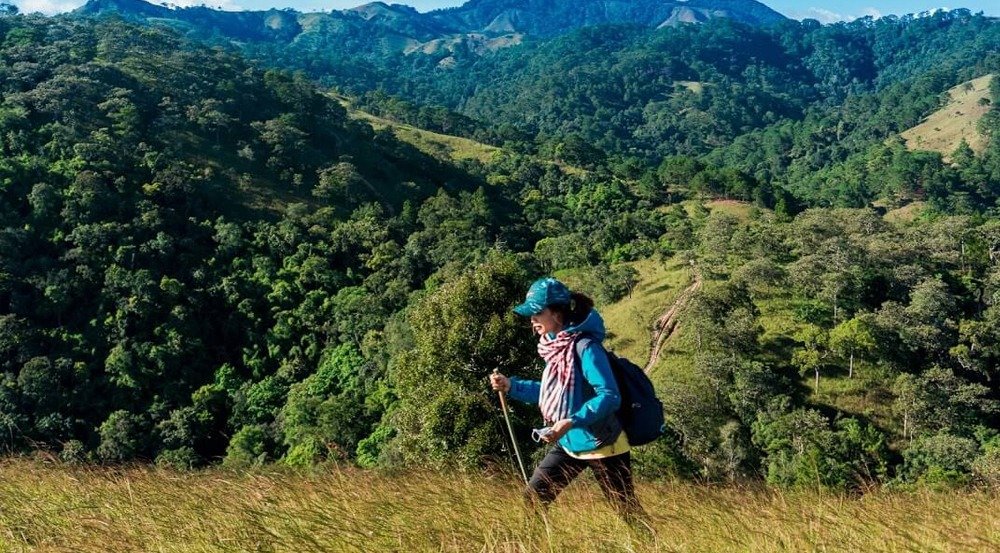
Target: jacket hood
[593, 326]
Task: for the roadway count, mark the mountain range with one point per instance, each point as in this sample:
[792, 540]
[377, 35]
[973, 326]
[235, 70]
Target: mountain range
[489, 23]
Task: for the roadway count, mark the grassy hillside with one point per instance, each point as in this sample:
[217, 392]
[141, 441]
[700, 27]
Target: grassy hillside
[630, 320]
[907, 213]
[943, 130]
[441, 146]
[45, 508]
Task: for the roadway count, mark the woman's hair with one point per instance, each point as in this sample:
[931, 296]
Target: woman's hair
[576, 311]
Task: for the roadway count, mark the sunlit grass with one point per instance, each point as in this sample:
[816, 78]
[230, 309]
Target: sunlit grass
[442, 146]
[630, 320]
[943, 130]
[736, 208]
[58, 508]
[906, 214]
[866, 395]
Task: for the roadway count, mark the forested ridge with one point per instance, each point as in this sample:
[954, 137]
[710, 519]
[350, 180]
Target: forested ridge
[203, 260]
[793, 107]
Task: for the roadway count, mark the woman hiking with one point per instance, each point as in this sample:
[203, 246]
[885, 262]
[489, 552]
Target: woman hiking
[578, 397]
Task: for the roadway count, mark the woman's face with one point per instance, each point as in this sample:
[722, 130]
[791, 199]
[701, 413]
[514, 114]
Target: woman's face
[545, 322]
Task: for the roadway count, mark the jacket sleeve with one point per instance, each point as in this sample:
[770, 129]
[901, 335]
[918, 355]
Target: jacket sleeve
[597, 371]
[525, 390]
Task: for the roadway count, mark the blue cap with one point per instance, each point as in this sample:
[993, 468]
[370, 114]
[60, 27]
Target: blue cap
[543, 293]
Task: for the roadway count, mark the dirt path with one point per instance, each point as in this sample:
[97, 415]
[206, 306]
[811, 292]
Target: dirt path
[664, 327]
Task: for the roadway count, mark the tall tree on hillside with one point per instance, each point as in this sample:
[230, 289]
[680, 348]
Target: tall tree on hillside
[461, 331]
[853, 337]
[811, 356]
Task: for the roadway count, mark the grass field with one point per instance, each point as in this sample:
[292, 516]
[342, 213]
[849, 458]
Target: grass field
[59, 508]
[435, 144]
[943, 130]
[631, 319]
[906, 214]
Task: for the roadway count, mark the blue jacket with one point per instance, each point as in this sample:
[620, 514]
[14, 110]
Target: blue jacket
[595, 399]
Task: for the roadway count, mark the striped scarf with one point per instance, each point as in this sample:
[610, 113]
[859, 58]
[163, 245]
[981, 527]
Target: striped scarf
[557, 378]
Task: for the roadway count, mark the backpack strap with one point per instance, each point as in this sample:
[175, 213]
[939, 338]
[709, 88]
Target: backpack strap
[581, 344]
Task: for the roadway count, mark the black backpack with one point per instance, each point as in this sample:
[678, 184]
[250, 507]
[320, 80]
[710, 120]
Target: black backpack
[641, 412]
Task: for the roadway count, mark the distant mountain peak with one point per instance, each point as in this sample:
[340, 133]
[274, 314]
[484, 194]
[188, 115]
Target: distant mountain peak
[125, 7]
[380, 8]
[553, 17]
[406, 29]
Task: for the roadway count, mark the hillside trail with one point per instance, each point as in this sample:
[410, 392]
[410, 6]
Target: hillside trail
[665, 325]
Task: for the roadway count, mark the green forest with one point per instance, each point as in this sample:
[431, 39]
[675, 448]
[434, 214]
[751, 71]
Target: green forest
[207, 258]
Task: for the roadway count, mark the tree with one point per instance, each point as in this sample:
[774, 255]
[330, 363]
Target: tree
[938, 400]
[715, 241]
[461, 331]
[575, 150]
[940, 458]
[121, 437]
[931, 314]
[249, 447]
[978, 348]
[803, 449]
[908, 400]
[678, 172]
[811, 357]
[327, 414]
[760, 276]
[615, 282]
[853, 337]
[626, 275]
[562, 252]
[341, 185]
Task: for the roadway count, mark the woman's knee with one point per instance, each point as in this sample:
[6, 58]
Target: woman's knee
[540, 490]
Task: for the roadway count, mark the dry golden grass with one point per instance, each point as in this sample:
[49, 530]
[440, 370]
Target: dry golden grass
[736, 208]
[693, 86]
[442, 146]
[945, 129]
[906, 214]
[56, 508]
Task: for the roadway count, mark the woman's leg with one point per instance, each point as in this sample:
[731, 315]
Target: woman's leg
[614, 474]
[552, 475]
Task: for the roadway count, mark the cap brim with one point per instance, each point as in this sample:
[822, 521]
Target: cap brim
[527, 310]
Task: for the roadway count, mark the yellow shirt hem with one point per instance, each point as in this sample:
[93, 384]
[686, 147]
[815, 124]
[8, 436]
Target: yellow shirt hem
[617, 448]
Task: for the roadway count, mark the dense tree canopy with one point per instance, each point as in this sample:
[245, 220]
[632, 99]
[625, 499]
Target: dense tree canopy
[203, 260]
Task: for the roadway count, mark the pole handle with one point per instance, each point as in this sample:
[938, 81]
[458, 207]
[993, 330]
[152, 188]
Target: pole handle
[510, 430]
[503, 398]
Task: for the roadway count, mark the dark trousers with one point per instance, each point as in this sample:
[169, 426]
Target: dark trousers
[614, 475]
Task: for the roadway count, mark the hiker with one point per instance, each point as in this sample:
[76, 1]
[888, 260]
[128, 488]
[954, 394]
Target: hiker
[578, 397]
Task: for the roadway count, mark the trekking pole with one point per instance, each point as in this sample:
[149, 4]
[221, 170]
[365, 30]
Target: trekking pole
[510, 429]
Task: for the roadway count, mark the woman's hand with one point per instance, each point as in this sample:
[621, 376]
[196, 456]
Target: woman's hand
[559, 429]
[499, 382]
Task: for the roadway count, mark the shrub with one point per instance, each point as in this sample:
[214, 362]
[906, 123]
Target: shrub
[939, 459]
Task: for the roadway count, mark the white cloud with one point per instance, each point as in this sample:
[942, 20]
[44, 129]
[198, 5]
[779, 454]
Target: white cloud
[826, 16]
[48, 7]
[228, 5]
[819, 14]
[51, 7]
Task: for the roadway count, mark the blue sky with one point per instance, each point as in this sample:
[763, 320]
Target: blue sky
[826, 11]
